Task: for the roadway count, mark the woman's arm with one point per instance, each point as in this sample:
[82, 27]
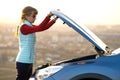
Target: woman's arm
[46, 23]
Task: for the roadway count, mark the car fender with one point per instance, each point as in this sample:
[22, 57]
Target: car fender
[91, 76]
[78, 70]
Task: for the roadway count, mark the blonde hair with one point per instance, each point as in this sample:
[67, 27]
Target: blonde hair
[26, 12]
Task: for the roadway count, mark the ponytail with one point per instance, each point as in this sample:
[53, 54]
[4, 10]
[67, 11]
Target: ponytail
[25, 12]
[16, 32]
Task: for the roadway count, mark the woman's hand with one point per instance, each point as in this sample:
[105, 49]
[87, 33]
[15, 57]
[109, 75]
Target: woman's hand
[50, 14]
[55, 18]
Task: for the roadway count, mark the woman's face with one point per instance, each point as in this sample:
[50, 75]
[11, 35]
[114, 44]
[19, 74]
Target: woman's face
[31, 18]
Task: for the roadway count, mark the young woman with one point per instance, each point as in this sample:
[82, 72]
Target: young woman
[26, 37]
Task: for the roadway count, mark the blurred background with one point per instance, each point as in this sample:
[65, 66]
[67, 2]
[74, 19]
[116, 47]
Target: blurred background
[100, 16]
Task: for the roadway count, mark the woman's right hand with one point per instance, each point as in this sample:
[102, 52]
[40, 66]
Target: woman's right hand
[55, 18]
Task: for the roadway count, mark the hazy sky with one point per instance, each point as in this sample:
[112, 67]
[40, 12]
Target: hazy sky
[83, 11]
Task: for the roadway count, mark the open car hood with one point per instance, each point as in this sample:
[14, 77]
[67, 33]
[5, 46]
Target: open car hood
[84, 31]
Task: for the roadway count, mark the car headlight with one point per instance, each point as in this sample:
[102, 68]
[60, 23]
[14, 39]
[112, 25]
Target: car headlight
[32, 78]
[46, 72]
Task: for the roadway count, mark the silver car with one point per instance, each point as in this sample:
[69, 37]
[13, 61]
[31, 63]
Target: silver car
[103, 66]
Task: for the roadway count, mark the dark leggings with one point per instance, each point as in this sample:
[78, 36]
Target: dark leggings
[24, 70]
